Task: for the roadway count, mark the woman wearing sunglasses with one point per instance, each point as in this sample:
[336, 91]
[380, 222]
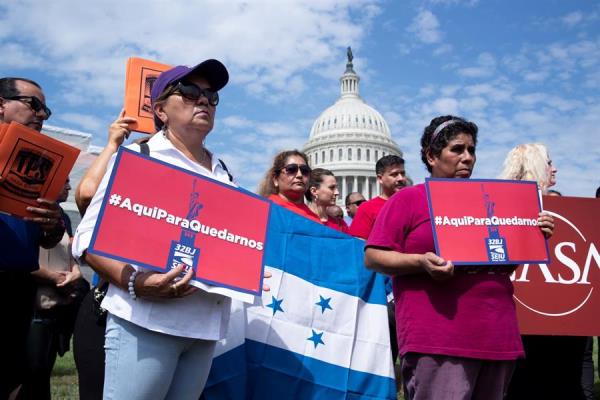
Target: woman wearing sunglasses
[322, 193]
[286, 182]
[161, 332]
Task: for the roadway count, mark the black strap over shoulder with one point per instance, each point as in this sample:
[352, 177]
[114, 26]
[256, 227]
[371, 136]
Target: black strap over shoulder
[144, 148]
[226, 170]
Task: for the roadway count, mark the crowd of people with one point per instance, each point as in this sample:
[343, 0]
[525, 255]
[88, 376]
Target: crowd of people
[455, 333]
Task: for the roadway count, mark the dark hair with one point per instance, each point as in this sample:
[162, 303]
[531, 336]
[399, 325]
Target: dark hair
[316, 178]
[169, 90]
[449, 132]
[8, 87]
[266, 187]
[388, 161]
[555, 192]
[598, 192]
[347, 199]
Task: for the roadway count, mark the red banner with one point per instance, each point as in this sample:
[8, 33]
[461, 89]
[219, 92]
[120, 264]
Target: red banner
[486, 222]
[563, 297]
[158, 216]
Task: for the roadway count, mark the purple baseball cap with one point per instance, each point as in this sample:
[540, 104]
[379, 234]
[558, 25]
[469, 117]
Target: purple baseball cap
[212, 70]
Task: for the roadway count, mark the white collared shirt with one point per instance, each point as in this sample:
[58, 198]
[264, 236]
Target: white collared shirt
[200, 315]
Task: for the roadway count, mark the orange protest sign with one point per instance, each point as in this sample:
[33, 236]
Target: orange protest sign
[32, 166]
[140, 76]
[3, 128]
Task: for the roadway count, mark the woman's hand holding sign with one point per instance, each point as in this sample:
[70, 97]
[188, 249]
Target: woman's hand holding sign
[438, 268]
[169, 285]
[546, 224]
[267, 288]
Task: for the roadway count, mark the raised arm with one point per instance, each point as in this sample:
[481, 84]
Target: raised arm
[118, 131]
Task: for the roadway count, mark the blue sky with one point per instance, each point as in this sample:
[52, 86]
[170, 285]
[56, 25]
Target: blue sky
[523, 71]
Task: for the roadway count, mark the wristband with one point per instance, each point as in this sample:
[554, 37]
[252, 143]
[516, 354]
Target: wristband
[131, 285]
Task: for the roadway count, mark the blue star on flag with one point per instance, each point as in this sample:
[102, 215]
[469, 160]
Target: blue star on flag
[316, 338]
[324, 304]
[276, 305]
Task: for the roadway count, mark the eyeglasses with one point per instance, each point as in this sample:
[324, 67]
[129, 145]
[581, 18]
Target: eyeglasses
[193, 93]
[292, 169]
[36, 104]
[356, 203]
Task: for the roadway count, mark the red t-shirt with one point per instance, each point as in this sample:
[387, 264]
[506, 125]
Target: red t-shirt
[301, 208]
[365, 217]
[334, 225]
[468, 315]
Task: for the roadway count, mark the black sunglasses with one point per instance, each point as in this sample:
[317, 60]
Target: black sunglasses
[292, 169]
[356, 203]
[36, 104]
[193, 93]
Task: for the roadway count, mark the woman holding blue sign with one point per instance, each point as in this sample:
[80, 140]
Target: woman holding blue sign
[161, 331]
[457, 333]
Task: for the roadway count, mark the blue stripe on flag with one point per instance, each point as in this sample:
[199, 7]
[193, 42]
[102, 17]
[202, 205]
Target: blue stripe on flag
[275, 373]
[334, 261]
[227, 379]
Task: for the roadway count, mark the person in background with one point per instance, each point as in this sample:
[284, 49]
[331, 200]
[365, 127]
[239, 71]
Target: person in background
[588, 361]
[286, 182]
[553, 192]
[353, 201]
[60, 289]
[556, 359]
[22, 100]
[322, 192]
[336, 214]
[457, 332]
[391, 175]
[90, 325]
[160, 331]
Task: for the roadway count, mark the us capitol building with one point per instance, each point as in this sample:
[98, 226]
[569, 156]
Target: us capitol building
[349, 137]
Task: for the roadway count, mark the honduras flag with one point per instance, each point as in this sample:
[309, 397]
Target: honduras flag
[320, 333]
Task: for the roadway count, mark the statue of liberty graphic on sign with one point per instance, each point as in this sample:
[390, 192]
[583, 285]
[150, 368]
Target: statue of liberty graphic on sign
[183, 251]
[495, 244]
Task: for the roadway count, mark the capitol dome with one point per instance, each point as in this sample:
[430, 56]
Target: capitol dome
[349, 137]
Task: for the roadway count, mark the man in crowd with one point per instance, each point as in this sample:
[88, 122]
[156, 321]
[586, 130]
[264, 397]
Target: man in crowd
[353, 200]
[22, 101]
[391, 175]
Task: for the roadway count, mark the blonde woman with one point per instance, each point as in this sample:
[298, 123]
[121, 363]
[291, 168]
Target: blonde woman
[530, 162]
[556, 359]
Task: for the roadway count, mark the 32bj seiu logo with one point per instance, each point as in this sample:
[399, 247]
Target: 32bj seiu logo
[566, 285]
[28, 173]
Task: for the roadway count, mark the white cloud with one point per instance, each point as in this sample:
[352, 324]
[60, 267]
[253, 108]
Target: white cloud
[536, 76]
[86, 48]
[445, 105]
[84, 121]
[455, 2]
[20, 57]
[486, 66]
[443, 49]
[236, 121]
[425, 26]
[572, 18]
